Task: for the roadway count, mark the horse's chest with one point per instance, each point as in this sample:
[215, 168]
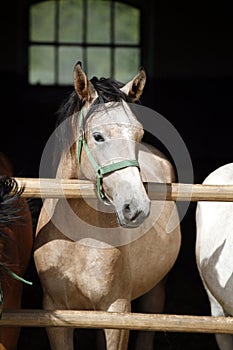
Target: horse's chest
[80, 274]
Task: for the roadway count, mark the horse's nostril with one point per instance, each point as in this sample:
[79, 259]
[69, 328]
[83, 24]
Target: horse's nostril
[129, 213]
[126, 209]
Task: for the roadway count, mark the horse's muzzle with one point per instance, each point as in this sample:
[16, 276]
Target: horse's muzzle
[132, 216]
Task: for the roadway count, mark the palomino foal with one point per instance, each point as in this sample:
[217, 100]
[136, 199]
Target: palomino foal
[90, 256]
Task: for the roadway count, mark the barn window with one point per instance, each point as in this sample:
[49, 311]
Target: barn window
[103, 34]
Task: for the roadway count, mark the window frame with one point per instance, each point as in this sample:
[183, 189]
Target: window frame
[84, 44]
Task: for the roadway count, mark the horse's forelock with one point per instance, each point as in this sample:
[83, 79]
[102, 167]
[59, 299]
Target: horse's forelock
[109, 90]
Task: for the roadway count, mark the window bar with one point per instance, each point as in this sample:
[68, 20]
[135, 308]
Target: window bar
[56, 58]
[112, 38]
[84, 35]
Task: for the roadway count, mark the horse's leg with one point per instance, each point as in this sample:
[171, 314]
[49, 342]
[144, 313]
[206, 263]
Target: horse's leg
[151, 302]
[59, 337]
[117, 339]
[225, 341]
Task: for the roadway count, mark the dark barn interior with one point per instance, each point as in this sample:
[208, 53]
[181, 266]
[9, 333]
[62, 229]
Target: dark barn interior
[187, 52]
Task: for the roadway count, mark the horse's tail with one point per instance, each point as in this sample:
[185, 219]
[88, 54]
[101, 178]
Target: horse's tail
[10, 208]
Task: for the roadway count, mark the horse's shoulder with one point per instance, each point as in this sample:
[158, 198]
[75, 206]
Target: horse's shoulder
[155, 166]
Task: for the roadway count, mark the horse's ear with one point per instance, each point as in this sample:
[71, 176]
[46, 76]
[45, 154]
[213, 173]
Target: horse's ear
[134, 88]
[82, 85]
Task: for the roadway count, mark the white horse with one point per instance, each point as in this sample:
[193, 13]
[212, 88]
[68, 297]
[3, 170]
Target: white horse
[214, 251]
[87, 257]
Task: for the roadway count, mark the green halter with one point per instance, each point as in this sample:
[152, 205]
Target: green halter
[100, 171]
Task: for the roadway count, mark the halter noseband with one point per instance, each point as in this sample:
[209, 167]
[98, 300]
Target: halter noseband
[99, 171]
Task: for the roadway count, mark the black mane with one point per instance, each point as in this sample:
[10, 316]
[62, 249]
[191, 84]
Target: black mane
[9, 197]
[108, 90]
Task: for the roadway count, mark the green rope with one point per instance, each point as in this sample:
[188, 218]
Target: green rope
[15, 276]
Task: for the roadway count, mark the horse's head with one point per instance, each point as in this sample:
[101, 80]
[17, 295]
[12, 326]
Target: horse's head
[109, 137]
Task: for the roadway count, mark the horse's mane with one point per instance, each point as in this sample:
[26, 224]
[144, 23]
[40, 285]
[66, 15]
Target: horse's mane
[108, 90]
[10, 211]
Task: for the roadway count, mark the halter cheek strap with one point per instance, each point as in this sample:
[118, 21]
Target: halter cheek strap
[100, 171]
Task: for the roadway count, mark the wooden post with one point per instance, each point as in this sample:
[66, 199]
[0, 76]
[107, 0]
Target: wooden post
[55, 188]
[99, 319]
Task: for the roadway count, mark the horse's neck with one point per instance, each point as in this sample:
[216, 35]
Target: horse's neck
[154, 165]
[68, 165]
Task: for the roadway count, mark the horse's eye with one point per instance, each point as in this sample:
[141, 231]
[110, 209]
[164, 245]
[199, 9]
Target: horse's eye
[98, 137]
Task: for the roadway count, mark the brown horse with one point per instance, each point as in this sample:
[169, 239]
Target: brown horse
[90, 256]
[15, 247]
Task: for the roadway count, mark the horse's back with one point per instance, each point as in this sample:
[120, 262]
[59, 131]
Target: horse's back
[214, 243]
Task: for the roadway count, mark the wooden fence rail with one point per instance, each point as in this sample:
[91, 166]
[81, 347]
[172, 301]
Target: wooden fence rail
[54, 188]
[131, 321]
